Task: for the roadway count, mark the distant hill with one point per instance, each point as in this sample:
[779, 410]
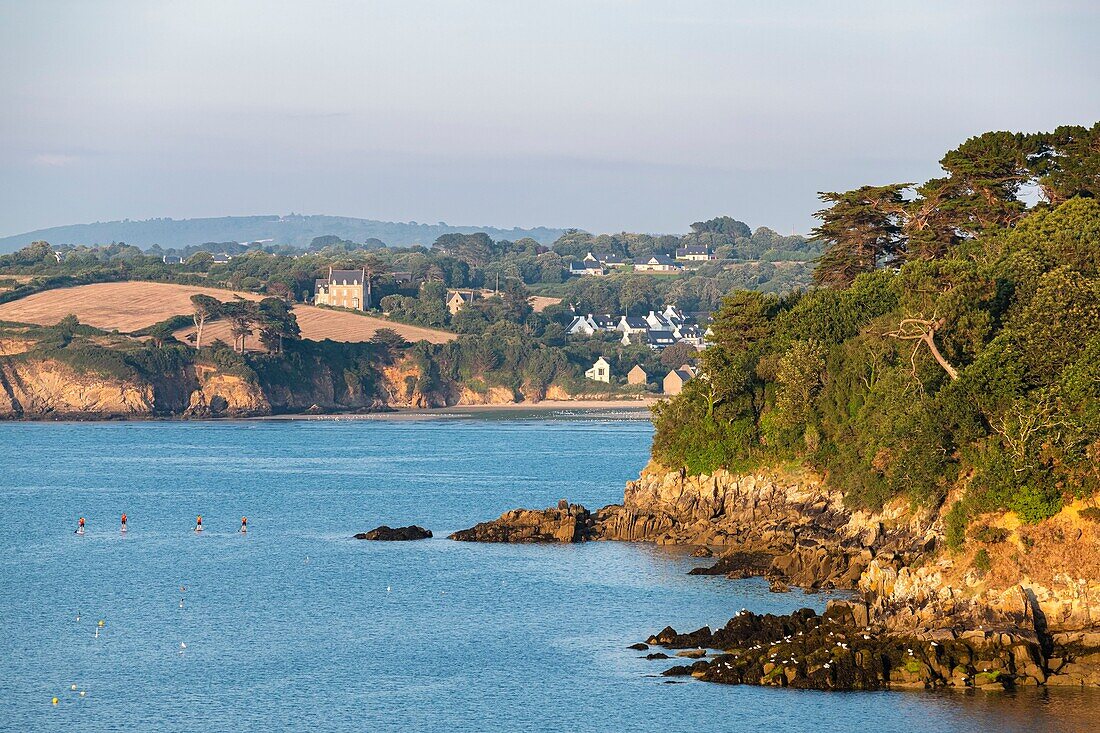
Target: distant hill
[296, 230]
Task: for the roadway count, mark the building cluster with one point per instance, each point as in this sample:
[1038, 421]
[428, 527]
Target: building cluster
[603, 264]
[657, 330]
[672, 384]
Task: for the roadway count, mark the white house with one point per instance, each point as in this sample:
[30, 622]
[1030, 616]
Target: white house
[600, 371]
[657, 263]
[632, 324]
[695, 253]
[590, 266]
[588, 325]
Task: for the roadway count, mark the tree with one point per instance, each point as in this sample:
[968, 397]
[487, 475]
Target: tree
[206, 309]
[374, 266]
[242, 316]
[861, 231]
[677, 355]
[276, 323]
[160, 333]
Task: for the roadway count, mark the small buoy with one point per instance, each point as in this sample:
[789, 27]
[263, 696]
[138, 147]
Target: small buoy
[83, 693]
[183, 645]
[78, 617]
[181, 603]
[53, 701]
[73, 687]
[97, 632]
[102, 623]
[387, 589]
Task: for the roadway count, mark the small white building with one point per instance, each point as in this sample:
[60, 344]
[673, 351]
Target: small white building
[600, 371]
[657, 263]
[695, 253]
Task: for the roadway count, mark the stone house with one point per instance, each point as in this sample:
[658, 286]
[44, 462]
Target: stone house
[637, 375]
[676, 379]
[459, 298]
[342, 289]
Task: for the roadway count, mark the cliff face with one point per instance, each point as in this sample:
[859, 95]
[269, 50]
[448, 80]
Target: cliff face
[33, 389]
[40, 388]
[1045, 577]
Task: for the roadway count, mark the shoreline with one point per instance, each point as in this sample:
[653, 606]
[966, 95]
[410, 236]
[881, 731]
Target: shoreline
[620, 409]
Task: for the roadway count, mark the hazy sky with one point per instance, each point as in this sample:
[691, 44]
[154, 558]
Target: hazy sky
[609, 115]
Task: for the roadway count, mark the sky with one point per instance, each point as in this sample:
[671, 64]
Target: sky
[608, 115]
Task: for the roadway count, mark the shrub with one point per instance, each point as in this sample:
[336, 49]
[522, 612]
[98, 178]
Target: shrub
[982, 562]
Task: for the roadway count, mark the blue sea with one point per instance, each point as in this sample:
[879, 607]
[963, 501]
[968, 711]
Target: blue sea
[297, 626]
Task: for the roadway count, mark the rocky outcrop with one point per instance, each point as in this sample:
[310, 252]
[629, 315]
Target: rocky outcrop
[966, 626]
[565, 523]
[395, 534]
[838, 651]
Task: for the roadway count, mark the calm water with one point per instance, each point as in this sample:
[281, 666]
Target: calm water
[296, 626]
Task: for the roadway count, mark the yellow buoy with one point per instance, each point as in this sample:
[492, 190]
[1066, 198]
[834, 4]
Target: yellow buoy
[102, 623]
[54, 701]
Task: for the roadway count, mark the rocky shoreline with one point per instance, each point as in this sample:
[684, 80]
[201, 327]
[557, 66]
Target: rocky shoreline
[919, 615]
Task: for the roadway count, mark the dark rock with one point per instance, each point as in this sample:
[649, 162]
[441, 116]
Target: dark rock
[657, 655]
[639, 646]
[389, 534]
[574, 523]
[829, 652]
[702, 552]
[738, 565]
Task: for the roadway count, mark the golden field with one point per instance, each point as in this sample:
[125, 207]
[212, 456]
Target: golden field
[130, 306]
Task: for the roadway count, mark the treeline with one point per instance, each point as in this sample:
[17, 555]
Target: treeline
[754, 260]
[955, 349]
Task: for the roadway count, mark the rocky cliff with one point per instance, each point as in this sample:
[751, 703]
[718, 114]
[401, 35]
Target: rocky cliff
[1027, 613]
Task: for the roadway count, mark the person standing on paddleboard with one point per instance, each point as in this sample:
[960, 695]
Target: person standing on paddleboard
[198, 523]
[244, 525]
[124, 521]
[80, 526]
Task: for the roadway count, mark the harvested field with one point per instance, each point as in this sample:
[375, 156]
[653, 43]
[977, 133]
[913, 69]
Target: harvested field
[130, 306]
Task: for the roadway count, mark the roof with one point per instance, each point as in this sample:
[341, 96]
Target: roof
[340, 275]
[605, 321]
[612, 260]
[684, 376]
[693, 249]
[660, 260]
[637, 368]
[636, 321]
[466, 295]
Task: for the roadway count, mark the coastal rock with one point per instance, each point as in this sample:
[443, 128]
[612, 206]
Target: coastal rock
[395, 534]
[565, 523]
[831, 652]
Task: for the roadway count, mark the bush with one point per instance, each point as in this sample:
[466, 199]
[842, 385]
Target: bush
[1090, 514]
[982, 562]
[990, 535]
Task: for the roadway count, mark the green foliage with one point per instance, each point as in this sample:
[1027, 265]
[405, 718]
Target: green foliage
[976, 355]
[981, 561]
